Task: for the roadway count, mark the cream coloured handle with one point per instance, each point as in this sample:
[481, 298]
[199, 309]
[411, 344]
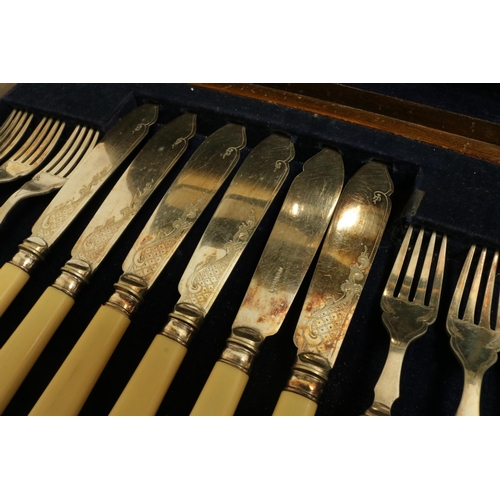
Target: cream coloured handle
[470, 403]
[292, 404]
[23, 348]
[152, 378]
[222, 391]
[12, 280]
[72, 384]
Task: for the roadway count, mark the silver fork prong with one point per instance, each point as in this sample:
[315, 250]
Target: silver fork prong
[32, 140]
[45, 144]
[65, 153]
[12, 135]
[85, 148]
[390, 287]
[485, 319]
[437, 283]
[470, 308]
[424, 274]
[10, 121]
[459, 289]
[410, 272]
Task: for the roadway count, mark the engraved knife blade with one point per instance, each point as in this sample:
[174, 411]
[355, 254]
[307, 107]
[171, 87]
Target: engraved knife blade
[180, 207]
[294, 240]
[125, 200]
[346, 257]
[226, 236]
[129, 194]
[77, 191]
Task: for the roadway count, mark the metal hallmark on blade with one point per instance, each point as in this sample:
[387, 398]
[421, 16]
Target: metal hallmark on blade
[294, 240]
[133, 188]
[91, 173]
[344, 263]
[239, 213]
[182, 204]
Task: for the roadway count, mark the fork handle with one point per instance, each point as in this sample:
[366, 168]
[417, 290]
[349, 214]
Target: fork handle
[471, 395]
[387, 388]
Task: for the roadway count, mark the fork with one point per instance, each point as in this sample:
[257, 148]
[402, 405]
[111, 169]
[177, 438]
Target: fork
[12, 130]
[54, 174]
[406, 318]
[475, 344]
[34, 151]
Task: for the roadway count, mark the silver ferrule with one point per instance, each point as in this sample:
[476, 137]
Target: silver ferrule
[185, 320]
[75, 274]
[129, 293]
[242, 347]
[31, 251]
[309, 376]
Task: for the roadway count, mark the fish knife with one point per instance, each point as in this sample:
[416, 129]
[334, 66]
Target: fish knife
[294, 240]
[226, 236]
[338, 280]
[179, 209]
[77, 191]
[124, 201]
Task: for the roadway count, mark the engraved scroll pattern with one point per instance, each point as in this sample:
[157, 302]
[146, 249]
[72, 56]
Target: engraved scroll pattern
[96, 243]
[207, 275]
[319, 333]
[157, 247]
[57, 217]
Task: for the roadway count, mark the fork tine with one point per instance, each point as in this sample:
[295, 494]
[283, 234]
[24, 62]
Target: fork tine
[390, 287]
[485, 320]
[437, 283]
[410, 272]
[66, 151]
[86, 146]
[470, 308]
[14, 133]
[9, 121]
[424, 275]
[44, 143]
[459, 289]
[31, 139]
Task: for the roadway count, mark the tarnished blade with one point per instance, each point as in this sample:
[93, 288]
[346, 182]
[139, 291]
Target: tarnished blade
[295, 238]
[235, 220]
[133, 188]
[185, 200]
[344, 263]
[88, 177]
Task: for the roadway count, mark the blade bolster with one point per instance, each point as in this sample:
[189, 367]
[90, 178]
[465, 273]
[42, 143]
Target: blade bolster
[31, 251]
[309, 375]
[242, 347]
[129, 293]
[185, 320]
[75, 274]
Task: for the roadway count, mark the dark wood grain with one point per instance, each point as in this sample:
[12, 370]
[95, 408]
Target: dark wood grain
[466, 135]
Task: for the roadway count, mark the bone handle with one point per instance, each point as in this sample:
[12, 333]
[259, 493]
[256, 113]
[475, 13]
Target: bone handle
[152, 378]
[222, 391]
[22, 349]
[72, 384]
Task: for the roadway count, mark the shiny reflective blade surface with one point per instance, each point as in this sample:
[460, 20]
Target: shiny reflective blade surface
[340, 275]
[237, 216]
[115, 146]
[181, 206]
[227, 234]
[295, 238]
[132, 190]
